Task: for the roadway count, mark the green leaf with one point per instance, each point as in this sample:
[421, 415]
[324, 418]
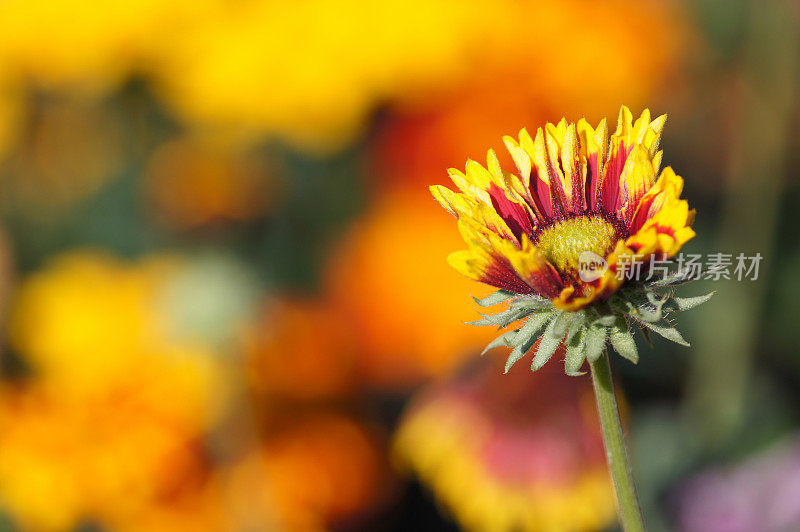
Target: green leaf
[667, 331]
[547, 346]
[622, 341]
[595, 338]
[686, 303]
[504, 340]
[495, 298]
[576, 353]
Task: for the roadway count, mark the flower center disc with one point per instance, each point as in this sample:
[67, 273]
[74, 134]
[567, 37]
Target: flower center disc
[563, 242]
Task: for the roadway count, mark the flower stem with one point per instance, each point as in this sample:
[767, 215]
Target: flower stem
[630, 515]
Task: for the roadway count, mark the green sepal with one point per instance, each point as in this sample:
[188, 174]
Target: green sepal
[671, 279]
[686, 303]
[595, 337]
[576, 325]
[606, 321]
[622, 340]
[526, 337]
[587, 331]
[547, 346]
[504, 340]
[532, 326]
[495, 298]
[576, 353]
[563, 322]
[519, 351]
[502, 319]
[667, 331]
[652, 311]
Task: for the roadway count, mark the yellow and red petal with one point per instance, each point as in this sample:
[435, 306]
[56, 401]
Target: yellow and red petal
[463, 206]
[499, 263]
[638, 176]
[569, 171]
[499, 256]
[670, 227]
[668, 187]
[545, 156]
[466, 186]
[453, 202]
[479, 265]
[595, 147]
[646, 135]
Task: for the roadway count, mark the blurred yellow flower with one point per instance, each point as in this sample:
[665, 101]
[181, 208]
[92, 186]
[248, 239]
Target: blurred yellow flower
[516, 452]
[312, 71]
[89, 327]
[110, 425]
[92, 46]
[113, 417]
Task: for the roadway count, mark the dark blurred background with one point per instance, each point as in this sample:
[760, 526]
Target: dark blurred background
[223, 290]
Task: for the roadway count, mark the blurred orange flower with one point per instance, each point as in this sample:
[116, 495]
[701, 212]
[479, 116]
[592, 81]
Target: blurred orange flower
[201, 509]
[308, 474]
[192, 183]
[62, 462]
[113, 417]
[300, 349]
[510, 452]
[11, 111]
[320, 469]
[384, 277]
[582, 58]
[68, 148]
[111, 423]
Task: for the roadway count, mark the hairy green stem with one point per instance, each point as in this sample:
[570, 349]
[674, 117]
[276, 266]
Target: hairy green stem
[630, 515]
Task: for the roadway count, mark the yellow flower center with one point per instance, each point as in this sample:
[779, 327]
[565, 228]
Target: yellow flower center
[563, 242]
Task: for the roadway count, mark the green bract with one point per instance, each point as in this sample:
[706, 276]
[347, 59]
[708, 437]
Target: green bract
[650, 306]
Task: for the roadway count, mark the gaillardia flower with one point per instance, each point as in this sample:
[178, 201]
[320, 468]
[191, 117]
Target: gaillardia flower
[569, 236]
